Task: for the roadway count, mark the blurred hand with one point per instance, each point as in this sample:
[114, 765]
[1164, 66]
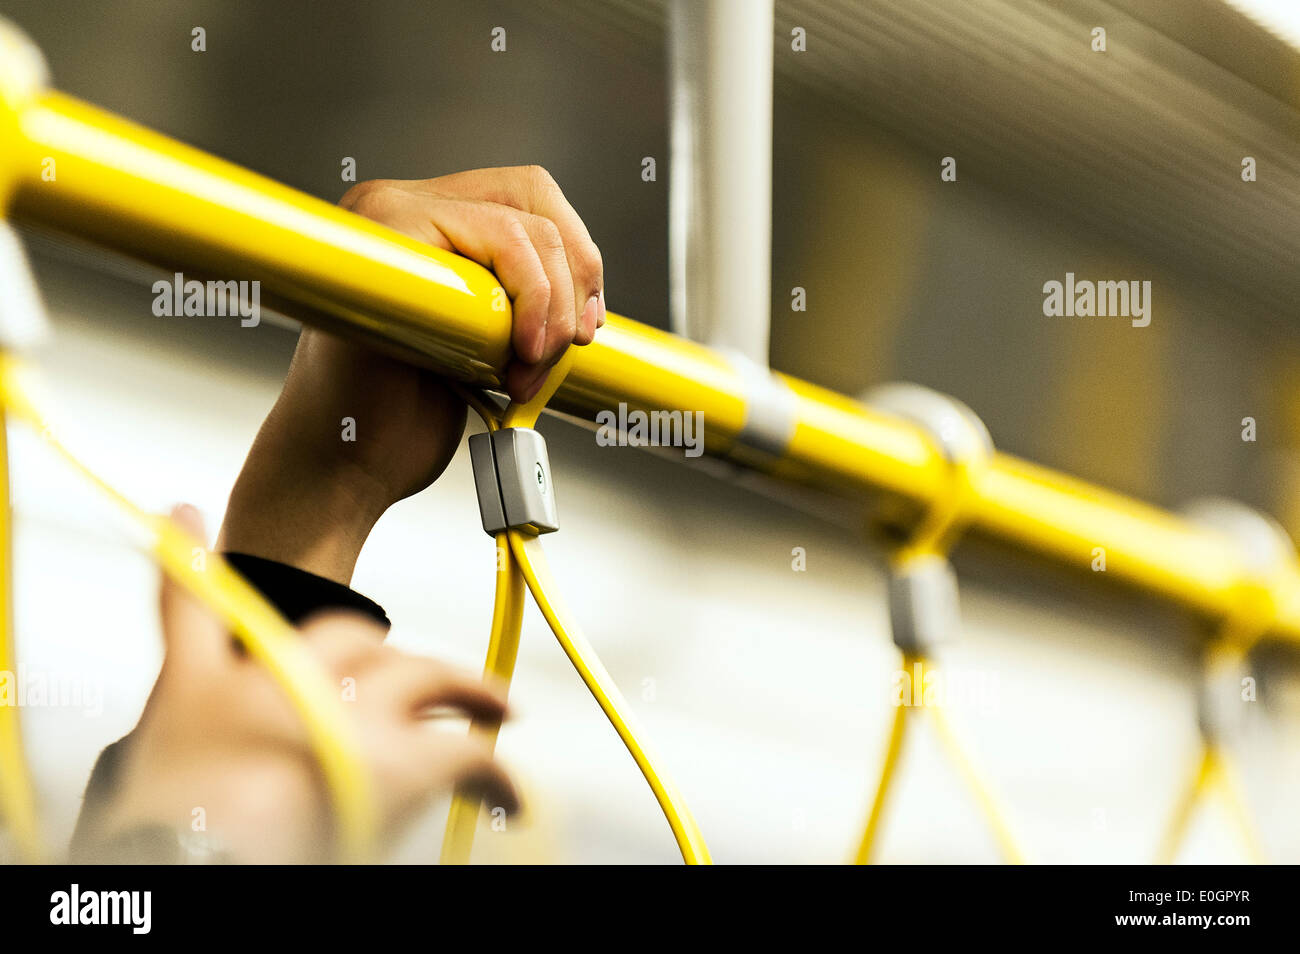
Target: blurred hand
[308, 497]
[218, 734]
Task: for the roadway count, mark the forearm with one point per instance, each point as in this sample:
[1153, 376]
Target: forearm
[285, 507]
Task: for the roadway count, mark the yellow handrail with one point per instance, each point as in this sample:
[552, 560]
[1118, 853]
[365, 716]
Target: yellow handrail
[135, 191]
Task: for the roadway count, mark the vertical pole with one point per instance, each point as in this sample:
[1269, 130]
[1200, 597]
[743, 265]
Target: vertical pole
[720, 173]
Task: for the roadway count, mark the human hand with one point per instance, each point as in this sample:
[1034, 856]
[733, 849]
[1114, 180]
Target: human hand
[218, 734]
[309, 498]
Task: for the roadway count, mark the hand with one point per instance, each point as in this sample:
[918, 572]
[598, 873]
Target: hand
[308, 497]
[517, 222]
[218, 734]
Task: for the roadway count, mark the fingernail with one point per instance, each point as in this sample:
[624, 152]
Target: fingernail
[600, 306]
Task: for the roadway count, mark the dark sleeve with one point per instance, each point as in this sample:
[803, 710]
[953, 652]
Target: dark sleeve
[297, 594]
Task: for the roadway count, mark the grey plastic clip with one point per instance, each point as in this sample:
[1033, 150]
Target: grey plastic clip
[1261, 541]
[1265, 548]
[1219, 709]
[924, 611]
[924, 607]
[958, 430]
[512, 475]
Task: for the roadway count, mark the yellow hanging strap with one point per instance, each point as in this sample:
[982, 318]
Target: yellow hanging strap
[524, 556]
[923, 602]
[261, 629]
[499, 667]
[888, 772]
[17, 791]
[1214, 772]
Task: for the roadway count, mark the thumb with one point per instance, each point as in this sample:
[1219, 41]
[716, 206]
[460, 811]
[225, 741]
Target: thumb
[190, 630]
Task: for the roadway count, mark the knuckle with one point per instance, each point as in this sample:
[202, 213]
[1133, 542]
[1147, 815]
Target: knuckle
[541, 287]
[517, 237]
[376, 201]
[593, 259]
[549, 239]
[540, 179]
[359, 191]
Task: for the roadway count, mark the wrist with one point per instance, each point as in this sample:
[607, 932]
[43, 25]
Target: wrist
[313, 518]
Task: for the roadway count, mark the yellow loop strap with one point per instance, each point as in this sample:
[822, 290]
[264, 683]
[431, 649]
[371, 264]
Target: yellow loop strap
[499, 667]
[266, 635]
[945, 518]
[524, 558]
[17, 788]
[532, 560]
[888, 772]
[934, 536]
[994, 814]
[1214, 771]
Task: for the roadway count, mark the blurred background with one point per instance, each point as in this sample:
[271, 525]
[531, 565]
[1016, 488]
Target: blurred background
[766, 690]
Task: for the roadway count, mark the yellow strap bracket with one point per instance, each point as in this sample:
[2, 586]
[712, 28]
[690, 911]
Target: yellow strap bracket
[923, 597]
[520, 555]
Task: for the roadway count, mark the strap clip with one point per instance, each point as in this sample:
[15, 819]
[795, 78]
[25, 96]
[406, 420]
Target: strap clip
[924, 607]
[512, 475]
[1267, 554]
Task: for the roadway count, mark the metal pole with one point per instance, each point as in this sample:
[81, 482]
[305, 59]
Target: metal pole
[720, 173]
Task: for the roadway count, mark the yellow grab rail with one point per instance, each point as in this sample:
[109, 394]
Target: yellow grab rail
[138, 192]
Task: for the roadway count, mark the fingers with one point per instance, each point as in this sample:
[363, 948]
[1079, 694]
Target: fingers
[495, 236]
[533, 189]
[544, 197]
[541, 252]
[415, 684]
[527, 254]
[393, 690]
[190, 632]
[471, 766]
[351, 646]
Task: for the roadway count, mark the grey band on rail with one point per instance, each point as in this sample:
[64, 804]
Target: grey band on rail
[770, 409]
